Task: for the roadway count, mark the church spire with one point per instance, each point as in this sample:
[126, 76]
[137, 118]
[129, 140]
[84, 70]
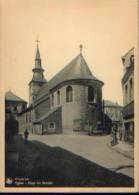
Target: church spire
[37, 52]
[37, 57]
[38, 78]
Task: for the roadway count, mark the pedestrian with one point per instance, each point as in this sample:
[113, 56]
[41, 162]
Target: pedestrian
[115, 134]
[26, 134]
[114, 139]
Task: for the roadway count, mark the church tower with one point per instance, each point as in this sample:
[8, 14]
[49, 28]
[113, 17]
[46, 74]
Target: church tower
[38, 78]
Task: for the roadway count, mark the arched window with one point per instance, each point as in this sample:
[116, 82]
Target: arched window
[132, 60]
[51, 125]
[126, 95]
[91, 94]
[69, 94]
[52, 99]
[58, 97]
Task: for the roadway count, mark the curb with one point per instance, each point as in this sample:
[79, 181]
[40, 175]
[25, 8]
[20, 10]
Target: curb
[120, 152]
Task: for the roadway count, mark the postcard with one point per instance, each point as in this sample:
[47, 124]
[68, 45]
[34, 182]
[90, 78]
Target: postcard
[69, 89]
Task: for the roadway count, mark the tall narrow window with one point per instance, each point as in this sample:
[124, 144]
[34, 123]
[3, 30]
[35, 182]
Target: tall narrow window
[69, 94]
[91, 94]
[131, 89]
[52, 99]
[132, 60]
[126, 95]
[58, 97]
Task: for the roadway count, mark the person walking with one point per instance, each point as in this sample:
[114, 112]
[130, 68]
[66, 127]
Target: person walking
[26, 134]
[114, 139]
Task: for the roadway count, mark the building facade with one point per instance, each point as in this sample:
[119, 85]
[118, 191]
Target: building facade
[13, 106]
[112, 115]
[71, 101]
[128, 96]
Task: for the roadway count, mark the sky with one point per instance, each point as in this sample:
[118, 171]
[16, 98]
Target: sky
[107, 29]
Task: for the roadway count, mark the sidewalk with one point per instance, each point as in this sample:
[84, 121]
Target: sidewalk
[123, 148]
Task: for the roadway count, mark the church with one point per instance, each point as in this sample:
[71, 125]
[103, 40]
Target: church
[70, 102]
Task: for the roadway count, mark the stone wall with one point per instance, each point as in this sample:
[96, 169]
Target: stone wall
[33, 90]
[128, 96]
[25, 122]
[79, 107]
[42, 108]
[56, 119]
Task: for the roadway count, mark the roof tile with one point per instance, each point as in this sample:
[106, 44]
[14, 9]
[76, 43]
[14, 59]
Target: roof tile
[10, 96]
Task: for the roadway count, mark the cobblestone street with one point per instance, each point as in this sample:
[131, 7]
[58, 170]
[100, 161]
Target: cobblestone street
[70, 160]
[93, 148]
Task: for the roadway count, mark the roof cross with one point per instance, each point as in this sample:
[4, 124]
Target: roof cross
[81, 47]
[37, 41]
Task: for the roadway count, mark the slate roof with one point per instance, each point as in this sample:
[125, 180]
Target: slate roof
[10, 96]
[76, 69]
[48, 114]
[127, 55]
[38, 79]
[38, 69]
[38, 57]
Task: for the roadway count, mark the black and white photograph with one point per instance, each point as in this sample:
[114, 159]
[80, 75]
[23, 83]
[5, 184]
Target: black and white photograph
[68, 85]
